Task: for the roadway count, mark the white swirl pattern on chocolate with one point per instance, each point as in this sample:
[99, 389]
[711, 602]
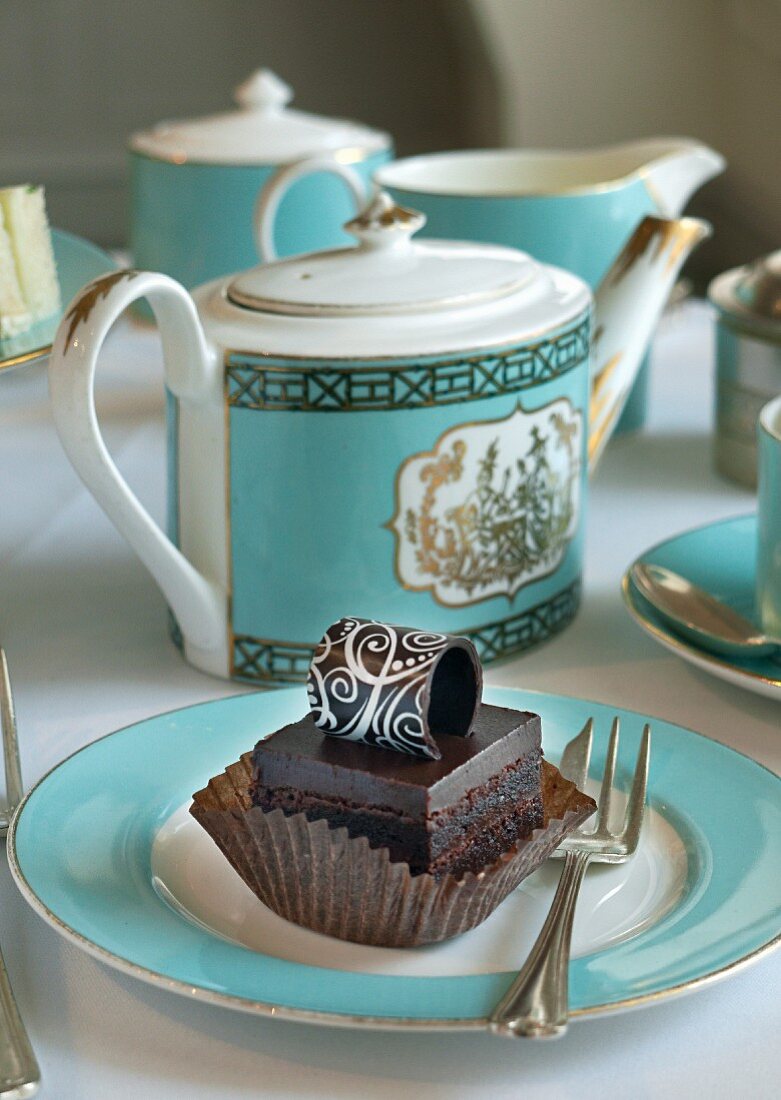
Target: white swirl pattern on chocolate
[367, 682]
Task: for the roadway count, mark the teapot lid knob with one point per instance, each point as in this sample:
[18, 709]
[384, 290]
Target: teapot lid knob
[263, 90]
[385, 224]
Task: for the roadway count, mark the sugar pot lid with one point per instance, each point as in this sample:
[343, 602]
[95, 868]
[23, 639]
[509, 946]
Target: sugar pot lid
[751, 296]
[264, 130]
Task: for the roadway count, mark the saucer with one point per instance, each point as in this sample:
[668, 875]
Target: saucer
[104, 849]
[78, 262]
[719, 557]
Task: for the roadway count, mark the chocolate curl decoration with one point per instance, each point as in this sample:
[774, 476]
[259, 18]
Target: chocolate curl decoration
[393, 687]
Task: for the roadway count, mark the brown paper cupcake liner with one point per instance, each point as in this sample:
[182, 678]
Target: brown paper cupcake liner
[335, 884]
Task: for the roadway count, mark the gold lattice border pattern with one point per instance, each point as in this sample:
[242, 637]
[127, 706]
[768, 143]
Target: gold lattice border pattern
[259, 382]
[262, 661]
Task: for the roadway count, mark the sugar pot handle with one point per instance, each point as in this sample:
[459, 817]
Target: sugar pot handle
[190, 370]
[273, 191]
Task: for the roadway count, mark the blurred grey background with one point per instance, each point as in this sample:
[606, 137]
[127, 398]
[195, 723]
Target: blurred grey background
[78, 76]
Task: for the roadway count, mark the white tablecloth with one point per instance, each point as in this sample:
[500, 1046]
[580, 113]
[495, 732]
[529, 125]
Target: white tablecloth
[83, 625]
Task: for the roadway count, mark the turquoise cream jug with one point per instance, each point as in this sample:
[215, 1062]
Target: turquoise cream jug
[401, 429]
[194, 183]
[574, 209]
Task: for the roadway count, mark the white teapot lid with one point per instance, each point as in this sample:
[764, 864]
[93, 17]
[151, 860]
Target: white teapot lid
[264, 130]
[388, 273]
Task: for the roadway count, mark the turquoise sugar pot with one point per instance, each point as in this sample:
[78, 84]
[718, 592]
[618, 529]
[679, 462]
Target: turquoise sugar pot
[572, 209]
[398, 430]
[748, 360]
[194, 183]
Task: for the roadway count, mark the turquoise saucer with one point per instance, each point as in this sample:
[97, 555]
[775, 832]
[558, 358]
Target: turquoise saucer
[721, 558]
[84, 850]
[78, 262]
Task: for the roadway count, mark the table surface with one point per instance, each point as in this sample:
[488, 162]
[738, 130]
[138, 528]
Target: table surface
[83, 626]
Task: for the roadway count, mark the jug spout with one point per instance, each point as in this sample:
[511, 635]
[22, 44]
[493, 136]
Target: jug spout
[627, 305]
[673, 169]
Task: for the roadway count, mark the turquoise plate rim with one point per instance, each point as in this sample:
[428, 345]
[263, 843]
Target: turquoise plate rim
[654, 625]
[96, 261]
[175, 959]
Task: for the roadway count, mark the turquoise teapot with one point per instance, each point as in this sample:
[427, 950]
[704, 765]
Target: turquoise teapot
[402, 429]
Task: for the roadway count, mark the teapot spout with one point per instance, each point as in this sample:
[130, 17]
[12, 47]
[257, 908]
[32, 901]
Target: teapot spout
[627, 305]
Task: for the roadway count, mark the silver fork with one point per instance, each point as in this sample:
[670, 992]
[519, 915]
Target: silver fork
[537, 1003]
[19, 1073]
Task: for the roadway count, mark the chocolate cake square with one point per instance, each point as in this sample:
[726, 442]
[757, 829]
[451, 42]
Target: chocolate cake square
[451, 815]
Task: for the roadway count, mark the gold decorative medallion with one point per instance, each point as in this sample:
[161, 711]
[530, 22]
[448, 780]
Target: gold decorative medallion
[492, 508]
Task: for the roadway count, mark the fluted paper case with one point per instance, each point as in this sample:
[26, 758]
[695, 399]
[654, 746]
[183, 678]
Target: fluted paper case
[325, 880]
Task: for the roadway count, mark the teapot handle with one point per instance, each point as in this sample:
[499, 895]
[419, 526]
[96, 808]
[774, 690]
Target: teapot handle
[273, 191]
[199, 604]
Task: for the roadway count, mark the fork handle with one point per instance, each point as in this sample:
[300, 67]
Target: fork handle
[19, 1073]
[537, 1004]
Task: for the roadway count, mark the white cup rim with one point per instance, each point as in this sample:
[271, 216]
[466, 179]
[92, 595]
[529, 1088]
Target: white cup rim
[770, 419]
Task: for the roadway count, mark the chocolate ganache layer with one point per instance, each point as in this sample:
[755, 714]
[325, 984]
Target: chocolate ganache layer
[450, 815]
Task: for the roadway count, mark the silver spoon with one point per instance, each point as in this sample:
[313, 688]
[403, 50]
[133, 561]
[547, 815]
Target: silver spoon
[697, 615]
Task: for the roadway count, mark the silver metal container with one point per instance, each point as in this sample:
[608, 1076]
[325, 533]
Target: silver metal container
[748, 360]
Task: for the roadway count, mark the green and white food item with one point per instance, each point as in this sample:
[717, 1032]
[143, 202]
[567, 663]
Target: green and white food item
[29, 289]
